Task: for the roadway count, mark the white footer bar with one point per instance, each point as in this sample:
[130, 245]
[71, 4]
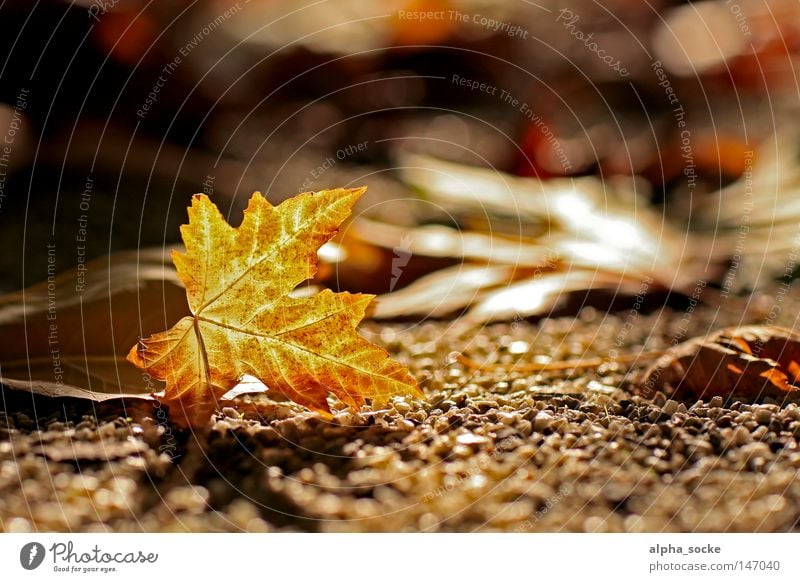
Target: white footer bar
[400, 557]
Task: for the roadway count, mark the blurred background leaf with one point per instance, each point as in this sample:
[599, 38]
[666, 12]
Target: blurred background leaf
[561, 174]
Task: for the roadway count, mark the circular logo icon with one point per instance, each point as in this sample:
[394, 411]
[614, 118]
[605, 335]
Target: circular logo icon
[31, 555]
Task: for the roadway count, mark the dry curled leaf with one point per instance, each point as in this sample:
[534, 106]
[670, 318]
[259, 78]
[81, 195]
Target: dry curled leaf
[68, 336]
[750, 360]
[244, 322]
[577, 234]
[520, 246]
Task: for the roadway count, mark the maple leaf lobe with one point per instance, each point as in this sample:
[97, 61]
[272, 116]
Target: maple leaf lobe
[243, 320]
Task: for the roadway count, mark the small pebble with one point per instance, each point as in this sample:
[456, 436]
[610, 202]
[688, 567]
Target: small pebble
[763, 416]
[670, 407]
[542, 421]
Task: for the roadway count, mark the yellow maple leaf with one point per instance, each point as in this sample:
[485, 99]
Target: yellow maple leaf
[243, 320]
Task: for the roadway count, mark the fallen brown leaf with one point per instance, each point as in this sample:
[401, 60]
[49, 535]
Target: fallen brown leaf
[751, 360]
[68, 336]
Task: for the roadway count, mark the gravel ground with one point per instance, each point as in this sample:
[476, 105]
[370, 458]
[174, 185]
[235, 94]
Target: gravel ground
[488, 451]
